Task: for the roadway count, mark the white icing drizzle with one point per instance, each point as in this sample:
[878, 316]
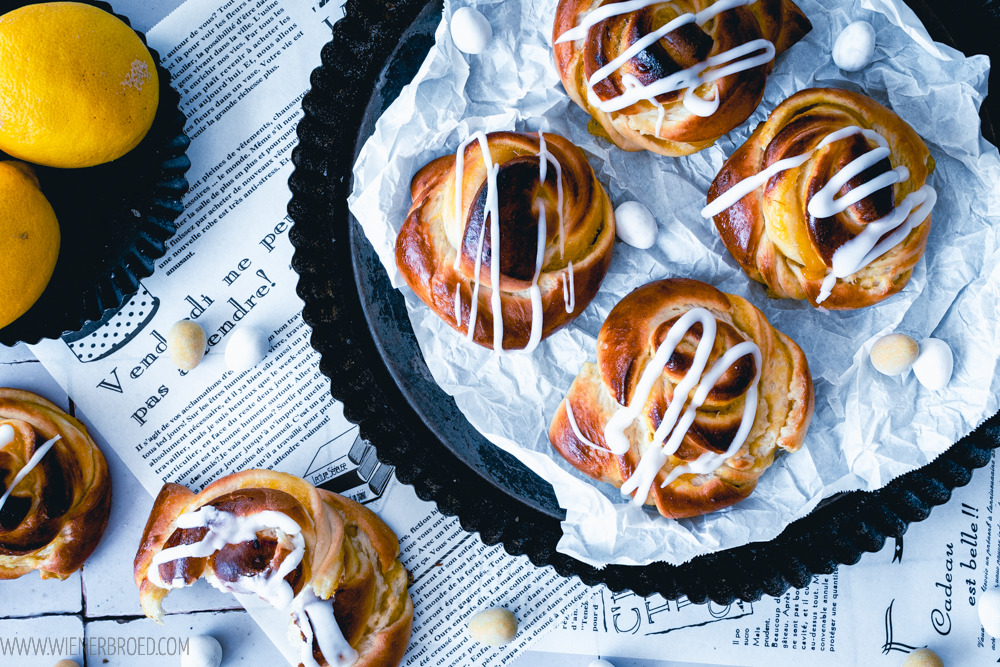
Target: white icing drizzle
[534, 291]
[569, 289]
[225, 528]
[32, 463]
[458, 303]
[316, 620]
[732, 61]
[576, 429]
[864, 248]
[674, 424]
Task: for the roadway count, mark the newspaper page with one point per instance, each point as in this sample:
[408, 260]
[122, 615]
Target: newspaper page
[242, 69]
[919, 590]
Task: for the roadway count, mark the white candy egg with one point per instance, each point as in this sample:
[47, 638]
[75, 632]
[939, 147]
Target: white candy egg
[494, 627]
[246, 348]
[855, 46]
[6, 434]
[202, 651]
[989, 611]
[600, 663]
[635, 225]
[934, 366]
[470, 30]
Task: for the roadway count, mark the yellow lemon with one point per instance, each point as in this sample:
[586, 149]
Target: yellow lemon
[77, 86]
[29, 240]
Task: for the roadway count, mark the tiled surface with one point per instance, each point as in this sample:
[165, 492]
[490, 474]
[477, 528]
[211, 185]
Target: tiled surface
[40, 642]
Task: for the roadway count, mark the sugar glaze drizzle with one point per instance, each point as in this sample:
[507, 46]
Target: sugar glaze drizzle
[738, 59]
[493, 213]
[226, 528]
[6, 437]
[674, 425]
[868, 245]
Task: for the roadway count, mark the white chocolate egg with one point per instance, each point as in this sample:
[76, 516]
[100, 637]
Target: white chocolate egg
[493, 627]
[894, 354]
[600, 663]
[635, 225]
[923, 657]
[202, 651]
[470, 30]
[855, 46]
[186, 343]
[935, 364]
[989, 611]
[246, 348]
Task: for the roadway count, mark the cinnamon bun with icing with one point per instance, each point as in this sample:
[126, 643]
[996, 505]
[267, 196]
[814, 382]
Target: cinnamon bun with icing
[670, 77]
[552, 241]
[692, 395]
[55, 486]
[331, 563]
[827, 200]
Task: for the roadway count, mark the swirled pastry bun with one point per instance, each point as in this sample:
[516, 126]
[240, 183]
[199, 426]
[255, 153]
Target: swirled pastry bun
[327, 560]
[56, 491]
[827, 200]
[553, 242]
[670, 77]
[692, 395]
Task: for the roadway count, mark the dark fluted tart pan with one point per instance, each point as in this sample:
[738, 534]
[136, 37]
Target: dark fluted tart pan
[362, 331]
[115, 220]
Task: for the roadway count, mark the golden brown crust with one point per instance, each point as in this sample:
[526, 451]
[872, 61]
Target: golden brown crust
[770, 233]
[433, 234]
[626, 344]
[634, 128]
[57, 514]
[351, 557]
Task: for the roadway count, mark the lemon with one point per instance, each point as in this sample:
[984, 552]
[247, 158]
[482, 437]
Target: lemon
[77, 86]
[29, 240]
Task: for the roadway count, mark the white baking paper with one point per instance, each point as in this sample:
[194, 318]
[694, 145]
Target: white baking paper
[867, 428]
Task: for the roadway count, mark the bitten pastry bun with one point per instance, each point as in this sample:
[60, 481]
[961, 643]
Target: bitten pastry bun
[827, 200]
[554, 236]
[56, 492]
[670, 77]
[692, 395]
[333, 564]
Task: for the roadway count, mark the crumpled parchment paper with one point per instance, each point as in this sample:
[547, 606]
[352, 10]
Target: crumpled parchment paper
[867, 428]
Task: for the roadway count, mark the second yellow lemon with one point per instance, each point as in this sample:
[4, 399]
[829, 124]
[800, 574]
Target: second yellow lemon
[77, 86]
[29, 240]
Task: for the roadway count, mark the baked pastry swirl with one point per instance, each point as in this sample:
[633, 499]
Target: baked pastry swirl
[692, 395]
[827, 200]
[554, 238]
[670, 77]
[56, 491]
[329, 561]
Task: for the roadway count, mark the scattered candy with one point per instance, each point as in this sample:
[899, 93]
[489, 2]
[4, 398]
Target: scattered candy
[923, 657]
[186, 343]
[470, 30]
[855, 46]
[202, 651]
[894, 354]
[600, 663]
[635, 225]
[935, 364]
[989, 611]
[67, 663]
[246, 348]
[494, 627]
